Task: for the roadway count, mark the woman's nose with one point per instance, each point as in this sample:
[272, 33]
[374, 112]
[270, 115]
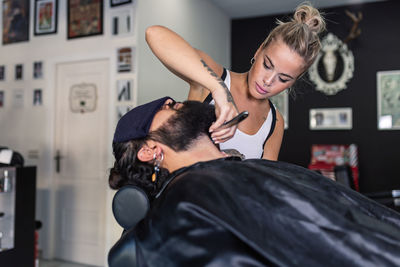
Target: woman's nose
[269, 80]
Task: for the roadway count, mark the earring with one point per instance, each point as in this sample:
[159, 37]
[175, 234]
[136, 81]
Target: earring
[157, 164]
[252, 61]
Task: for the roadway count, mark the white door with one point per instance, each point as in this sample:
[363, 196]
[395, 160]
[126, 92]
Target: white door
[81, 148]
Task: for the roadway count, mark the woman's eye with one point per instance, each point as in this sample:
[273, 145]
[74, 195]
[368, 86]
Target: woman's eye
[266, 66]
[283, 80]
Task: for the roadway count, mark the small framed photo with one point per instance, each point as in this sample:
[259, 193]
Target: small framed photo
[37, 97]
[19, 71]
[122, 22]
[331, 119]
[388, 91]
[37, 69]
[15, 21]
[125, 59]
[281, 103]
[1, 98]
[2, 73]
[119, 2]
[124, 90]
[85, 18]
[45, 17]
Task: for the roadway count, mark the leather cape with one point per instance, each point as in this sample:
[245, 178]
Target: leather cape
[228, 212]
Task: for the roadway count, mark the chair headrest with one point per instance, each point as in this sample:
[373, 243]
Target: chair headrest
[130, 205]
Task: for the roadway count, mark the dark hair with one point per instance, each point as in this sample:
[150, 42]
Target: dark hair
[129, 170]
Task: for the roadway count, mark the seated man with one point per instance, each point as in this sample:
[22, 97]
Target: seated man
[211, 210]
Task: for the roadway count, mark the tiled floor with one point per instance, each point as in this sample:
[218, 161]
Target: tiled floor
[56, 263]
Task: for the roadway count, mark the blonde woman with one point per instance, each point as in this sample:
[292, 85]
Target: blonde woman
[286, 53]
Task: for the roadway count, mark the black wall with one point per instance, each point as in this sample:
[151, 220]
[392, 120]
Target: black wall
[376, 49]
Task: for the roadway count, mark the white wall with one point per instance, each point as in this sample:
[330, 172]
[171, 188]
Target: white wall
[200, 23]
[30, 130]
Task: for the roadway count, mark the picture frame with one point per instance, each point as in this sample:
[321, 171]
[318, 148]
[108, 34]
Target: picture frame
[37, 99]
[331, 119]
[46, 15]
[388, 94]
[125, 90]
[19, 71]
[37, 70]
[125, 59]
[281, 103]
[114, 3]
[15, 21]
[122, 22]
[1, 98]
[85, 18]
[2, 72]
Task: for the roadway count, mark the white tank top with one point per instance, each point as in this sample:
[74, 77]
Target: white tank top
[251, 146]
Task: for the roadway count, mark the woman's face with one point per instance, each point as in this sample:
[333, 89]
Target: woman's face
[275, 69]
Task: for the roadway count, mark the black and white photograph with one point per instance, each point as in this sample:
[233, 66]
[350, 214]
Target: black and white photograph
[1, 98]
[331, 119]
[37, 97]
[2, 72]
[124, 90]
[19, 71]
[122, 22]
[119, 2]
[388, 91]
[122, 109]
[38, 70]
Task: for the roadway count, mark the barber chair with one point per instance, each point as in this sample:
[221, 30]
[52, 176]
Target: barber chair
[130, 205]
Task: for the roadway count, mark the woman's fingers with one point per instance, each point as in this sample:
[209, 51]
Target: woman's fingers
[223, 134]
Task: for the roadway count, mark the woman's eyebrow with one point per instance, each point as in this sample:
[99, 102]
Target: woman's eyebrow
[273, 66]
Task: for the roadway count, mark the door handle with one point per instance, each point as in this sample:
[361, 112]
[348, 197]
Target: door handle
[58, 158]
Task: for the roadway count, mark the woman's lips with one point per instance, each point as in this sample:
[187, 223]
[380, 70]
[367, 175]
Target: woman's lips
[261, 90]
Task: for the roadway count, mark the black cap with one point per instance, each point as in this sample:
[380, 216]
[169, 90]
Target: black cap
[136, 123]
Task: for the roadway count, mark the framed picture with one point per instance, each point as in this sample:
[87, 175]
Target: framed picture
[19, 71]
[2, 73]
[124, 90]
[15, 21]
[85, 18]
[122, 22]
[37, 97]
[45, 17]
[125, 59]
[1, 99]
[37, 69]
[331, 119]
[119, 2]
[281, 103]
[388, 91]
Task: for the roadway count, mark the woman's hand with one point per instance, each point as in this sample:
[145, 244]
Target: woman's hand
[225, 110]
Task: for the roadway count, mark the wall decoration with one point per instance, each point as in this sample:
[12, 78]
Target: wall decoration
[388, 91]
[281, 102]
[37, 97]
[2, 73]
[125, 59]
[334, 65]
[85, 18]
[18, 98]
[45, 17]
[122, 110]
[15, 21]
[331, 119]
[122, 22]
[37, 69]
[124, 90]
[83, 97]
[19, 70]
[1, 99]
[119, 2]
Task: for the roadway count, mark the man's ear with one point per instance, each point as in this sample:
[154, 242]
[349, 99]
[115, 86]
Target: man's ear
[146, 152]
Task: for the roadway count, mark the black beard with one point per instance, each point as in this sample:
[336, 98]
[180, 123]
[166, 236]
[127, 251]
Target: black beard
[190, 122]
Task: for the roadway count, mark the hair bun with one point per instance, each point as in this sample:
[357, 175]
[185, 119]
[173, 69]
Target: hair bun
[306, 14]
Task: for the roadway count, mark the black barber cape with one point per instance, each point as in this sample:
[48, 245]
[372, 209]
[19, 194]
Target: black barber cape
[228, 212]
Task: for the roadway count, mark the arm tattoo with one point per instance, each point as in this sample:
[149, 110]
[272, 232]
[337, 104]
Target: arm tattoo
[221, 82]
